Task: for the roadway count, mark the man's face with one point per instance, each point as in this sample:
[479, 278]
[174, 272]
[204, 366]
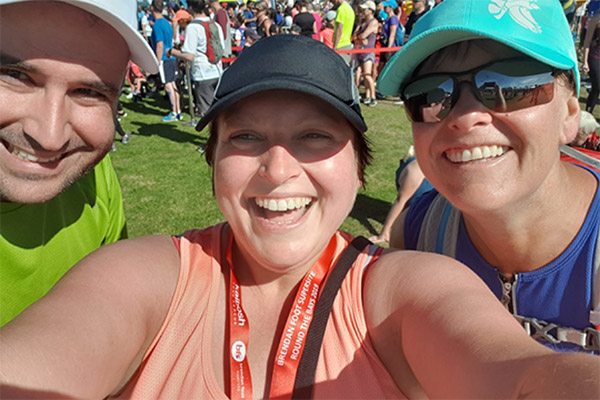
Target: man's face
[419, 5]
[59, 85]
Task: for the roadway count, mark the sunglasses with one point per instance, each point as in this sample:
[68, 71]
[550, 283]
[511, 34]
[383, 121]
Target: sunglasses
[501, 86]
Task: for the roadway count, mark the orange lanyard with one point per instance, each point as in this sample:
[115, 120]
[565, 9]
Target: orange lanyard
[291, 344]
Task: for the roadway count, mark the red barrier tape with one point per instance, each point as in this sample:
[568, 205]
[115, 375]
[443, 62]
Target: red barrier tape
[374, 50]
[347, 51]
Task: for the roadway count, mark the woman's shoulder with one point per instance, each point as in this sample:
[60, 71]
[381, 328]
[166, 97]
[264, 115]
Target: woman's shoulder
[399, 274]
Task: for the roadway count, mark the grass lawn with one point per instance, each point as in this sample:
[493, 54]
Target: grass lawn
[167, 184]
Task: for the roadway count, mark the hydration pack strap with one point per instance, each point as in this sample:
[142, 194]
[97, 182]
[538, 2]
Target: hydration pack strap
[439, 230]
[578, 155]
[595, 312]
[588, 338]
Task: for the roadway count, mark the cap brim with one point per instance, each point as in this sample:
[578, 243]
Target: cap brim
[406, 60]
[284, 84]
[139, 49]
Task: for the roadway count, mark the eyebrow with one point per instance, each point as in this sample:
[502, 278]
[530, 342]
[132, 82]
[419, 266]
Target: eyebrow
[9, 60]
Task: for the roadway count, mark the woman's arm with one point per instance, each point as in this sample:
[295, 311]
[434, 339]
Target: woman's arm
[441, 332]
[392, 38]
[87, 336]
[409, 181]
[267, 26]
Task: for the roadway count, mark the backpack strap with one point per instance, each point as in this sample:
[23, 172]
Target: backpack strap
[439, 229]
[305, 377]
[595, 312]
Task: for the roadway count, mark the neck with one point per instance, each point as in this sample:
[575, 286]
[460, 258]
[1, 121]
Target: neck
[527, 236]
[251, 273]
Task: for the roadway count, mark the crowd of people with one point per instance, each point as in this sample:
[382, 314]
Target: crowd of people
[375, 24]
[276, 301]
[380, 25]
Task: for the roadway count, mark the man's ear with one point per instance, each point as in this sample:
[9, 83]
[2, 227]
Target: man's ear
[571, 121]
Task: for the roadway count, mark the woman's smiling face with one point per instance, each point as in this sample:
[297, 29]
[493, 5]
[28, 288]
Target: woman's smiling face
[481, 159]
[285, 176]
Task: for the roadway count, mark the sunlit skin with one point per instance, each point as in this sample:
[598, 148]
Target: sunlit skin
[58, 94]
[284, 145]
[529, 165]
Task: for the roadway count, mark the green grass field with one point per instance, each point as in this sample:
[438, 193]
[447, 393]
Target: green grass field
[167, 184]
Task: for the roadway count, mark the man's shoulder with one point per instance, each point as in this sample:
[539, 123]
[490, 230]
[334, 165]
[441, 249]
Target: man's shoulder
[162, 24]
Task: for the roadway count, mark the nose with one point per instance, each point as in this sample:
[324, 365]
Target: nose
[468, 112]
[279, 165]
[48, 121]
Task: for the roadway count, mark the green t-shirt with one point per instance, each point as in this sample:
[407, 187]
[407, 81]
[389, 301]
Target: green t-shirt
[345, 16]
[40, 242]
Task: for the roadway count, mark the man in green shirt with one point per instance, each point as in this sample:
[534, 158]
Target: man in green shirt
[59, 86]
[342, 30]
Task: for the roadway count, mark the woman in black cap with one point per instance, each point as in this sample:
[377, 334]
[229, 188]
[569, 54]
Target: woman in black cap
[240, 309]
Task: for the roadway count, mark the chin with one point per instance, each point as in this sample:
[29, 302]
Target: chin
[32, 195]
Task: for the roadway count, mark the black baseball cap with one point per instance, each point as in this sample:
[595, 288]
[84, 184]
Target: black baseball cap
[291, 62]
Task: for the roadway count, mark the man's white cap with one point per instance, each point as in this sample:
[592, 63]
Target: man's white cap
[122, 16]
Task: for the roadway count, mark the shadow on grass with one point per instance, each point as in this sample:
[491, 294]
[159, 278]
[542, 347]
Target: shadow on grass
[170, 131]
[155, 106]
[151, 105]
[368, 208]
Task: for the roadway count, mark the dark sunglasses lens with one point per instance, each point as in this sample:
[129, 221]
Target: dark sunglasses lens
[505, 92]
[428, 99]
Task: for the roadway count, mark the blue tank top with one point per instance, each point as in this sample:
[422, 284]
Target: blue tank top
[559, 292]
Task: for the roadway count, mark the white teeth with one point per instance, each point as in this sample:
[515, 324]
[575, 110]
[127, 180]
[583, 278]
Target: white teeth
[283, 204]
[30, 157]
[476, 153]
[487, 152]
[272, 205]
[466, 155]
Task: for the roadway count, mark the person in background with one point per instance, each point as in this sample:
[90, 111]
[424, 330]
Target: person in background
[136, 79]
[222, 19]
[288, 20]
[587, 132]
[569, 7]
[59, 195]
[239, 40]
[364, 38]
[343, 28]
[410, 183]
[264, 24]
[392, 32]
[584, 149]
[146, 25]
[214, 312]
[248, 11]
[180, 22]
[326, 35]
[315, 10]
[162, 40]
[304, 19]
[296, 30]
[492, 98]
[591, 61]
[419, 9]
[251, 37]
[205, 75]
